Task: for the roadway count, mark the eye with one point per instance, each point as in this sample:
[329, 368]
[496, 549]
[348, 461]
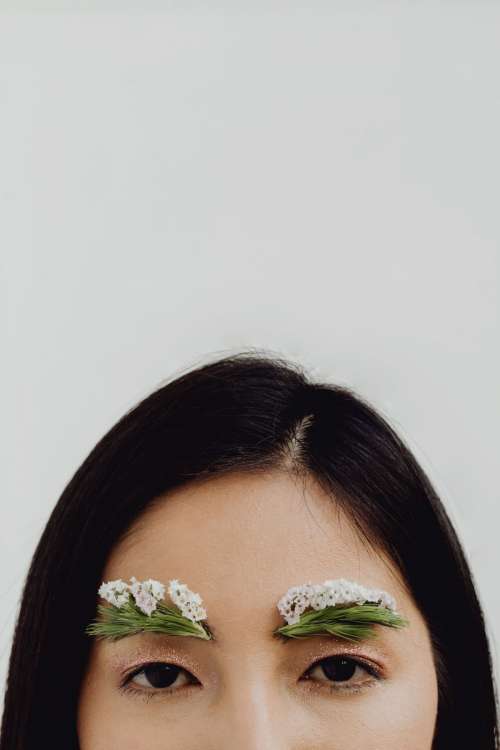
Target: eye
[156, 678]
[342, 673]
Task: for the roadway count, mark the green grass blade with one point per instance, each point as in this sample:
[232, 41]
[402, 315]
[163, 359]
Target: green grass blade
[118, 622]
[352, 623]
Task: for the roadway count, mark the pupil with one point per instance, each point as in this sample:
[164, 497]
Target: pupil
[161, 675]
[338, 669]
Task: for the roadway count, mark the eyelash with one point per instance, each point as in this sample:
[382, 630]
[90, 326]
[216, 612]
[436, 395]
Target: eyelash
[375, 673]
[146, 695]
[127, 687]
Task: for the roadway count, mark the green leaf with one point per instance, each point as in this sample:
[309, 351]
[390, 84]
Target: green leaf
[354, 623]
[118, 622]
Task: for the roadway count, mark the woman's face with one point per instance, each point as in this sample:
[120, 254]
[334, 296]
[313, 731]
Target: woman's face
[241, 541]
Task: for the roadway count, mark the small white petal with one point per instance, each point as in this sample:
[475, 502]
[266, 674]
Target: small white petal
[339, 591]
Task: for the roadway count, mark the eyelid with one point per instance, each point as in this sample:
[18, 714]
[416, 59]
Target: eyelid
[372, 652]
[132, 672]
[319, 686]
[375, 677]
[127, 668]
[146, 694]
[370, 665]
[124, 665]
[366, 664]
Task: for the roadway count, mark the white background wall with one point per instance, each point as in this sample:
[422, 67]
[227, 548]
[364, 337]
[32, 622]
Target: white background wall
[322, 182]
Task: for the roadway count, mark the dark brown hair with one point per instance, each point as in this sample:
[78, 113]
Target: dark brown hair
[245, 412]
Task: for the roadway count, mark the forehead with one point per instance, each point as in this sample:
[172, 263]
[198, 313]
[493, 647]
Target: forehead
[242, 540]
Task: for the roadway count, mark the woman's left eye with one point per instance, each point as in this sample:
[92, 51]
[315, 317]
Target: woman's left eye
[343, 673]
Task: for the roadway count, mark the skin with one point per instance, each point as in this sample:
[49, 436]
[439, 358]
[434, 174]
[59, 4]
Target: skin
[241, 541]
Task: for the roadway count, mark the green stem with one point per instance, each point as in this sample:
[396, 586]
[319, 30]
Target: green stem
[353, 623]
[118, 622]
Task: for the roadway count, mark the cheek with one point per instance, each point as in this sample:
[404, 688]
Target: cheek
[407, 717]
[106, 720]
[396, 715]
[109, 720]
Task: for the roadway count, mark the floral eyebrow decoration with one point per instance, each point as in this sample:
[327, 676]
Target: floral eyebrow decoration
[137, 607]
[339, 607]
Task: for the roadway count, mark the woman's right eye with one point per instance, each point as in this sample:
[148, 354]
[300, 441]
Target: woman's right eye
[159, 676]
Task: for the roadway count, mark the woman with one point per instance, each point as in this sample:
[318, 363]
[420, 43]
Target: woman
[244, 478]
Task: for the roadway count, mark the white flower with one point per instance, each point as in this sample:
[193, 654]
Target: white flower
[114, 592]
[156, 588]
[145, 602]
[324, 596]
[135, 586]
[329, 594]
[147, 594]
[188, 602]
[345, 592]
[295, 602]
[385, 599]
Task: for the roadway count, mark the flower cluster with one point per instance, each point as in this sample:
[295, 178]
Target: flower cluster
[115, 592]
[148, 593]
[188, 602]
[329, 594]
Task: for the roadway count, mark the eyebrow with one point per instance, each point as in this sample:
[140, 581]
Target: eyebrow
[352, 622]
[350, 629]
[321, 630]
[159, 636]
[114, 623]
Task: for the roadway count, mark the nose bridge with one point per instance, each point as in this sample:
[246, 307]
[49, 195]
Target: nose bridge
[255, 717]
[253, 707]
